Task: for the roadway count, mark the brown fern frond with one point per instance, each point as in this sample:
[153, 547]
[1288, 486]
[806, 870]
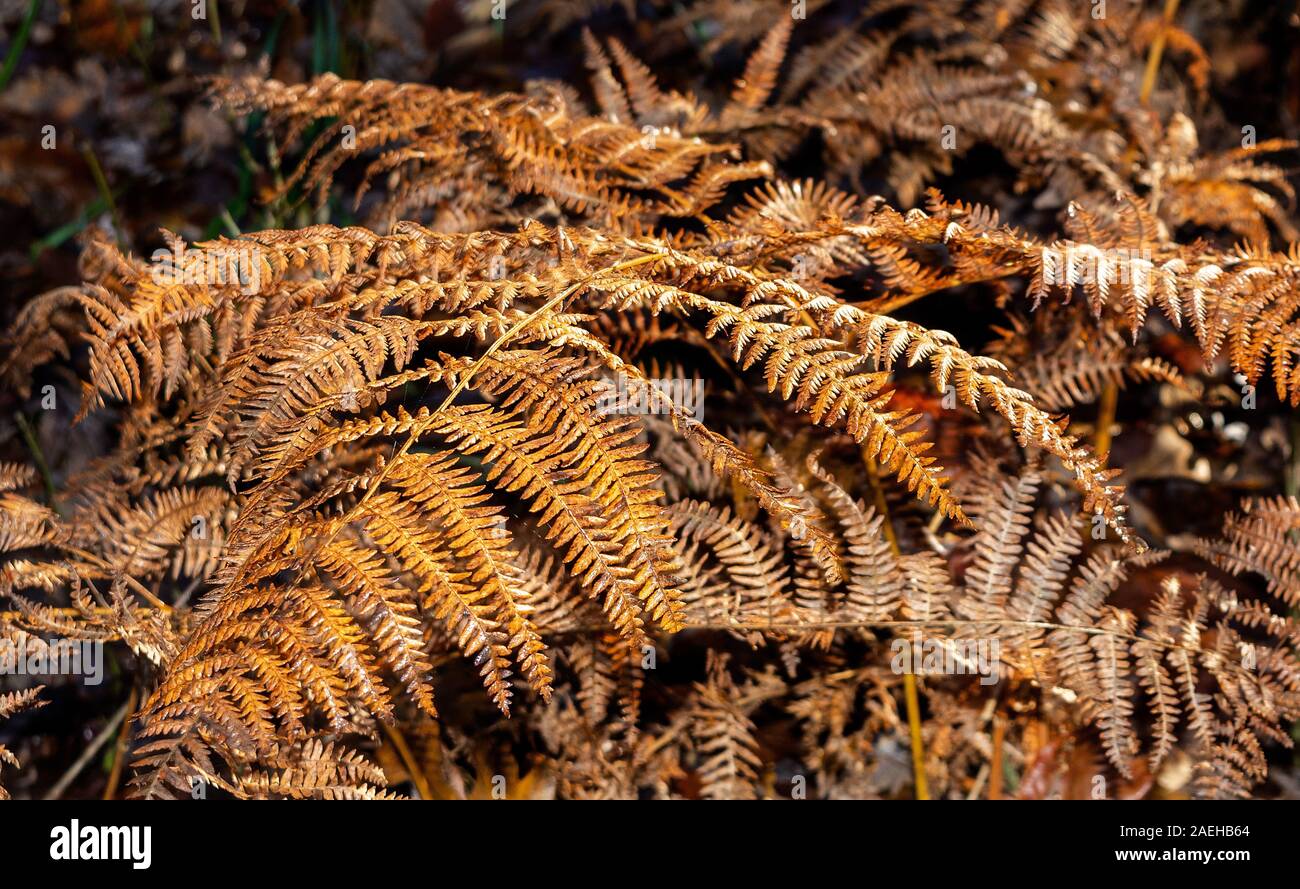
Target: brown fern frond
[11, 703]
[40, 332]
[750, 573]
[438, 141]
[1002, 510]
[1259, 540]
[729, 762]
[316, 771]
[874, 585]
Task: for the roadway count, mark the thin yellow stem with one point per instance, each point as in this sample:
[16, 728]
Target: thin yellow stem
[1105, 420]
[89, 752]
[995, 764]
[918, 743]
[119, 751]
[1153, 68]
[882, 506]
[101, 182]
[910, 697]
[1110, 395]
[1157, 50]
[408, 759]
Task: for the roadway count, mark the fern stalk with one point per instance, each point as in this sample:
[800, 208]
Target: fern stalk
[19, 44]
[909, 679]
[995, 762]
[418, 777]
[1110, 395]
[1108, 404]
[89, 753]
[1157, 50]
[120, 749]
[38, 456]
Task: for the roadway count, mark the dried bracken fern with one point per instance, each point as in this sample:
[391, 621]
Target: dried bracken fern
[468, 154]
[349, 472]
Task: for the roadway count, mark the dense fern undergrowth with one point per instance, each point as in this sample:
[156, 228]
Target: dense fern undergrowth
[828, 415]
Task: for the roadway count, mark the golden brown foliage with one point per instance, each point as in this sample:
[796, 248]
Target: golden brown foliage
[380, 456]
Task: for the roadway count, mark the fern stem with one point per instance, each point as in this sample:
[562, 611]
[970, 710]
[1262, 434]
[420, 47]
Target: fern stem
[154, 601]
[910, 696]
[887, 305]
[119, 750]
[29, 437]
[784, 627]
[1106, 408]
[128, 579]
[1152, 71]
[995, 764]
[214, 22]
[101, 182]
[882, 505]
[918, 743]
[1157, 50]
[408, 759]
[89, 753]
[19, 44]
[1110, 395]
[6, 616]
